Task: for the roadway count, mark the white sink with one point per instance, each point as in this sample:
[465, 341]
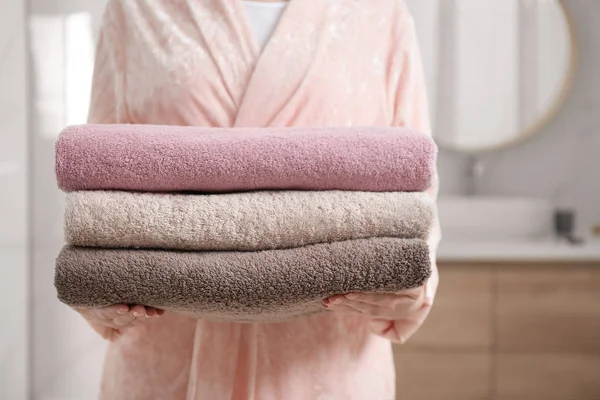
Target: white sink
[486, 219]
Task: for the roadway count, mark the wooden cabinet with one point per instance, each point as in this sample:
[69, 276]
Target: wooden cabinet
[507, 332]
[461, 318]
[549, 309]
[548, 376]
[449, 358]
[548, 332]
[443, 376]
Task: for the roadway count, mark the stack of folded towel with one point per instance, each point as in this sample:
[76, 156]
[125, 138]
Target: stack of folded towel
[244, 224]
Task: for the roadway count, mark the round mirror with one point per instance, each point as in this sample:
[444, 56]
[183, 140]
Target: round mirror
[496, 70]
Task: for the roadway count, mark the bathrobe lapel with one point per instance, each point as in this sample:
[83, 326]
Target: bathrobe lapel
[265, 86]
[197, 62]
[225, 40]
[315, 69]
[273, 88]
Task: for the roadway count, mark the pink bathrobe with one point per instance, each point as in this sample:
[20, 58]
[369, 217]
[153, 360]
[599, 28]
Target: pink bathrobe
[195, 62]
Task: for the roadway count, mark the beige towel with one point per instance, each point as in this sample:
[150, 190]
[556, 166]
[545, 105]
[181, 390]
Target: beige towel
[269, 285]
[244, 221]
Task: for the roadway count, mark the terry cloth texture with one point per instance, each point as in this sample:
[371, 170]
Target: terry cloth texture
[200, 159]
[242, 221]
[270, 285]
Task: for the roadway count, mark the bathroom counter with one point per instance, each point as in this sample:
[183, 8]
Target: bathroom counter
[534, 251]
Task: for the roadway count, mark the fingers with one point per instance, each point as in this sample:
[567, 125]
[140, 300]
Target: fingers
[111, 312]
[104, 313]
[150, 311]
[378, 305]
[382, 327]
[138, 311]
[123, 321]
[137, 315]
[334, 300]
[400, 330]
[382, 299]
[357, 307]
[387, 299]
[341, 304]
[154, 312]
[120, 316]
[343, 308]
[411, 326]
[137, 321]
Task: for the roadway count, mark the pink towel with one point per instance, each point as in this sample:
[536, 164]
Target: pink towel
[172, 158]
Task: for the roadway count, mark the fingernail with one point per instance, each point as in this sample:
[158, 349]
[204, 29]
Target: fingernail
[122, 311]
[336, 301]
[351, 296]
[136, 314]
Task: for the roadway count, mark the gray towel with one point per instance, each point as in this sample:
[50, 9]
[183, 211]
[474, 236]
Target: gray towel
[242, 221]
[270, 285]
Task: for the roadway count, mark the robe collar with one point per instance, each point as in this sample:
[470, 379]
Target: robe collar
[284, 64]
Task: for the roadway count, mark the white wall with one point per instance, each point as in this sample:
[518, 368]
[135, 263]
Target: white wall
[13, 123]
[13, 202]
[561, 162]
[486, 90]
[67, 354]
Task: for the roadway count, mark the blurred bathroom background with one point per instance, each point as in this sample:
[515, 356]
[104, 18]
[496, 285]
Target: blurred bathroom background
[514, 88]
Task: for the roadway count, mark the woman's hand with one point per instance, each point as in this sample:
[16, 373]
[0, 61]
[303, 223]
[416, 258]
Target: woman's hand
[110, 321]
[386, 306]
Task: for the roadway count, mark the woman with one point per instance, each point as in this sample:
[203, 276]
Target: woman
[199, 62]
